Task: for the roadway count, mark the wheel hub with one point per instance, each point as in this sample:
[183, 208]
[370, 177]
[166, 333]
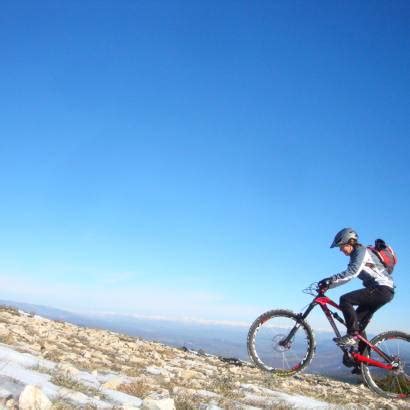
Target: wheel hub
[398, 366]
[279, 345]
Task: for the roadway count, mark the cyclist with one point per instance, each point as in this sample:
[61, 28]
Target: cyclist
[378, 285]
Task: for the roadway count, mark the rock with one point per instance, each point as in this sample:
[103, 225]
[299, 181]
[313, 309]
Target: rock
[121, 398]
[160, 394]
[195, 384]
[163, 404]
[235, 370]
[5, 395]
[189, 374]
[209, 406]
[67, 369]
[114, 383]
[32, 398]
[207, 394]
[194, 378]
[250, 408]
[204, 394]
[11, 404]
[4, 333]
[156, 371]
[250, 388]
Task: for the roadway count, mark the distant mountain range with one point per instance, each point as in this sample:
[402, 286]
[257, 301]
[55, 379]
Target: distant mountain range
[217, 339]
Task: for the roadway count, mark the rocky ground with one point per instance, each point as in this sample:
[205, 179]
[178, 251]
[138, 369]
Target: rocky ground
[46, 364]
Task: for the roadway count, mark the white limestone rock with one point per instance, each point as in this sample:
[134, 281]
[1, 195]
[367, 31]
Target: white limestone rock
[67, 369]
[114, 383]
[163, 404]
[32, 398]
[156, 371]
[121, 398]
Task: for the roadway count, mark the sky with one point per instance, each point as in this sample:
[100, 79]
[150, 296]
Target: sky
[193, 159]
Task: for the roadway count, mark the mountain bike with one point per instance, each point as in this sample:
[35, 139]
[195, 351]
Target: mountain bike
[282, 342]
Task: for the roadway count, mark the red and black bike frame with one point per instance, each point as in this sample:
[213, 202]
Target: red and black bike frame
[323, 301]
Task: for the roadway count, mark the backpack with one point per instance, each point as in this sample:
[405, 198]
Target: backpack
[385, 254]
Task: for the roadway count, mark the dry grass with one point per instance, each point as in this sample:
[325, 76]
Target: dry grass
[65, 381]
[126, 338]
[42, 369]
[53, 355]
[60, 321]
[137, 389]
[7, 339]
[224, 385]
[61, 404]
[10, 309]
[135, 370]
[184, 402]
[88, 365]
[268, 380]
[83, 340]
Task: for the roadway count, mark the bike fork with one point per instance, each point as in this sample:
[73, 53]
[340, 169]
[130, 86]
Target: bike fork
[285, 342]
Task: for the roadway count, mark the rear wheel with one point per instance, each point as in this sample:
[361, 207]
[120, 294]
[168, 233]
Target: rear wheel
[393, 383]
[279, 341]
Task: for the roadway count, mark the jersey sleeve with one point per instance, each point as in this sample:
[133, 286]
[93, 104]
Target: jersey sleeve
[355, 266]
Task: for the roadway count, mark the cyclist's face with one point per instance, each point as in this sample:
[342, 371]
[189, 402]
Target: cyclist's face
[346, 249]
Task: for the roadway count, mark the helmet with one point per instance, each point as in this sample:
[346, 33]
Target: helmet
[343, 237]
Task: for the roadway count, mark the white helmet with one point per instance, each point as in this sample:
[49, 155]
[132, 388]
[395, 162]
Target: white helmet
[343, 237]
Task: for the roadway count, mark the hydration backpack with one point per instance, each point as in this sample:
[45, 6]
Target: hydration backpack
[385, 253]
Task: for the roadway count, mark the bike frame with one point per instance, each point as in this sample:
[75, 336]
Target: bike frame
[323, 301]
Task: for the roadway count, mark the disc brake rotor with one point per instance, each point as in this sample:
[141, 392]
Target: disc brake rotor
[277, 346]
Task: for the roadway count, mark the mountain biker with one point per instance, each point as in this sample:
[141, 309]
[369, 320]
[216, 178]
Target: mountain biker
[378, 285]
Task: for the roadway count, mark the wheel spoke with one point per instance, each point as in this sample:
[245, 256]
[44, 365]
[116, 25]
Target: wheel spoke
[284, 360]
[267, 351]
[387, 348]
[395, 382]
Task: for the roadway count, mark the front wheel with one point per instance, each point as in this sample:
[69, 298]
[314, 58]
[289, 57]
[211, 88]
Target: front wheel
[391, 383]
[279, 341]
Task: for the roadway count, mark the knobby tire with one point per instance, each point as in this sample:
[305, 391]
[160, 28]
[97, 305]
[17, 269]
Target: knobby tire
[388, 383]
[269, 355]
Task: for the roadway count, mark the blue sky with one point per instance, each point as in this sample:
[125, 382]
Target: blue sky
[191, 159]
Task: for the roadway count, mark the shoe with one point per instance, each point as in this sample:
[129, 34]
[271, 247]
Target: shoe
[348, 360]
[346, 340]
[357, 370]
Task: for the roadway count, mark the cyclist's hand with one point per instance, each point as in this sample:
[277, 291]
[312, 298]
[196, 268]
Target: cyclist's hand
[324, 284]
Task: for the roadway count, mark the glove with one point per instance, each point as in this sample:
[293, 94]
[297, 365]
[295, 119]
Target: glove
[324, 283]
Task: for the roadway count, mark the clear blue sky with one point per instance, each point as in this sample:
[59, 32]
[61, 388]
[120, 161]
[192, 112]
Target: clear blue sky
[195, 159]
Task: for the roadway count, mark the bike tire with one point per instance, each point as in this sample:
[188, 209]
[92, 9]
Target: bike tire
[389, 383]
[268, 361]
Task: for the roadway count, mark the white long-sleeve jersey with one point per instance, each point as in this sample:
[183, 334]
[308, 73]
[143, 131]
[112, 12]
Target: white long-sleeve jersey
[367, 266]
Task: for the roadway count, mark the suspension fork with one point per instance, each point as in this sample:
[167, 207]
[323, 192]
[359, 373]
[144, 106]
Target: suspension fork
[328, 313]
[285, 342]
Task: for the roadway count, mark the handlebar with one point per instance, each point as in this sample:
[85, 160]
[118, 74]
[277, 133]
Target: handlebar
[314, 289]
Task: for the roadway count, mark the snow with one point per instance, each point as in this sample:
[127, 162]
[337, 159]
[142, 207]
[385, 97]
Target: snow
[122, 397]
[20, 369]
[263, 395]
[87, 379]
[24, 359]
